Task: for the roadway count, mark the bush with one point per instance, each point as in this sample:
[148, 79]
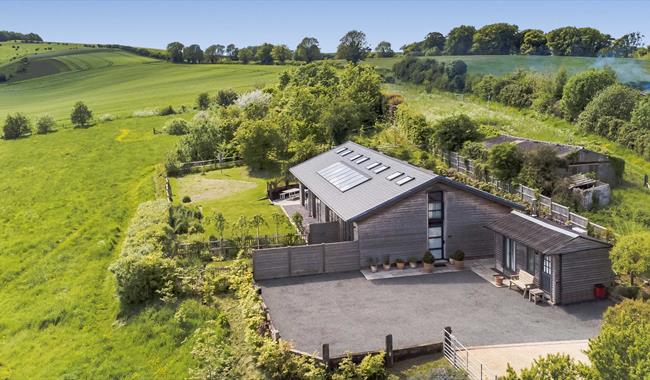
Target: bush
[146, 112]
[3, 78]
[186, 199]
[458, 255]
[81, 115]
[631, 255]
[140, 278]
[553, 366]
[474, 150]
[203, 101]
[45, 124]
[177, 126]
[505, 161]
[107, 117]
[641, 114]
[517, 94]
[414, 124]
[16, 125]
[582, 87]
[616, 101]
[452, 132]
[169, 110]
[540, 170]
[226, 97]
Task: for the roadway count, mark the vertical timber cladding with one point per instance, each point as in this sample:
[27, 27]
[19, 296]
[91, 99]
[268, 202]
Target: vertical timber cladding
[399, 230]
[466, 216]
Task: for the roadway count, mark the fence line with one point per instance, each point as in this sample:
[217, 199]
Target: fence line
[217, 162]
[556, 211]
[168, 189]
[458, 355]
[230, 247]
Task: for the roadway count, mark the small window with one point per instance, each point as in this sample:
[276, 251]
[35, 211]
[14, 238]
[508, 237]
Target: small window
[380, 169]
[355, 157]
[346, 153]
[404, 180]
[340, 150]
[362, 160]
[394, 175]
[373, 165]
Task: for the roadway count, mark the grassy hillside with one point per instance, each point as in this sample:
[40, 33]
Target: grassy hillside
[629, 209]
[118, 82]
[628, 69]
[66, 200]
[12, 50]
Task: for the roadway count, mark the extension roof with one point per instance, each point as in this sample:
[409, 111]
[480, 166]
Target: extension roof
[544, 236]
[343, 182]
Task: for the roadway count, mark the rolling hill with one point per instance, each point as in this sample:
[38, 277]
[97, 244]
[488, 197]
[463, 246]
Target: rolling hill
[13, 50]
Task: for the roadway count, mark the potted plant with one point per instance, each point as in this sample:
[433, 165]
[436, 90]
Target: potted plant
[451, 260]
[459, 259]
[372, 262]
[387, 262]
[427, 261]
[498, 280]
[413, 262]
[400, 263]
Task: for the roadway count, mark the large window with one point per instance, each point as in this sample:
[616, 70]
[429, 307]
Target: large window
[435, 212]
[531, 261]
[509, 254]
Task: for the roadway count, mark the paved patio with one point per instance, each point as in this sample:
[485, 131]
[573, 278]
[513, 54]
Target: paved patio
[354, 314]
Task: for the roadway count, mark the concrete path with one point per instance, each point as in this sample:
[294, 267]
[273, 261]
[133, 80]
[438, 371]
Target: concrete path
[519, 356]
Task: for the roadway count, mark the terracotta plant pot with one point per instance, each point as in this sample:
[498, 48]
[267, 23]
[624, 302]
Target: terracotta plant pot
[498, 280]
[400, 265]
[413, 265]
[459, 264]
[428, 267]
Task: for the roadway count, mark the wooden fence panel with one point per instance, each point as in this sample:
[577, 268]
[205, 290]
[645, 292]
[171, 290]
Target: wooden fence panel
[306, 260]
[578, 220]
[342, 257]
[273, 263]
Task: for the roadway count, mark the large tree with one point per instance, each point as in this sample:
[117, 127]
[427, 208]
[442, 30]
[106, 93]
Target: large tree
[175, 50]
[308, 50]
[384, 50]
[451, 132]
[459, 40]
[245, 55]
[263, 54]
[505, 161]
[500, 38]
[281, 53]
[214, 52]
[353, 47]
[193, 54]
[572, 41]
[631, 255]
[81, 115]
[16, 125]
[434, 40]
[231, 51]
[534, 43]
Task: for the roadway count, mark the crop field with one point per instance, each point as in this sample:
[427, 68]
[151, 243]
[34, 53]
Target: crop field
[627, 69]
[15, 49]
[629, 209]
[234, 192]
[121, 83]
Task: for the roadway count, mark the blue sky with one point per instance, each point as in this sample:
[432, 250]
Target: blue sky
[155, 23]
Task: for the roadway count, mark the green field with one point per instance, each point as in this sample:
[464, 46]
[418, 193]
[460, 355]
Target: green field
[233, 192]
[627, 69]
[629, 209]
[12, 50]
[126, 84]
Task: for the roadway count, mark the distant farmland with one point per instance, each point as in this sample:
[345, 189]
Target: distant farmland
[627, 69]
[114, 81]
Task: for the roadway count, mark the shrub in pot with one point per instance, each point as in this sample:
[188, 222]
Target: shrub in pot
[400, 263]
[459, 258]
[413, 262]
[372, 263]
[427, 261]
[386, 262]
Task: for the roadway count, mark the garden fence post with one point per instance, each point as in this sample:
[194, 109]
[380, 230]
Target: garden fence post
[389, 350]
[326, 355]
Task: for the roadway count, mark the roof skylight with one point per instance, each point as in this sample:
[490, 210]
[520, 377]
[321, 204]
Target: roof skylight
[404, 180]
[341, 150]
[346, 152]
[381, 169]
[373, 165]
[342, 176]
[362, 160]
[355, 157]
[394, 175]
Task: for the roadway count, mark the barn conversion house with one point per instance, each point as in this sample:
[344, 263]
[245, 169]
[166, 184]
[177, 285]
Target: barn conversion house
[364, 204]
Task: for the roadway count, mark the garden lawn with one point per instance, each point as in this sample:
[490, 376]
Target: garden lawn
[629, 210]
[65, 202]
[234, 192]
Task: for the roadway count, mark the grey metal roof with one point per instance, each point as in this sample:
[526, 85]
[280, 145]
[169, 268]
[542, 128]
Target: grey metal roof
[358, 202]
[544, 236]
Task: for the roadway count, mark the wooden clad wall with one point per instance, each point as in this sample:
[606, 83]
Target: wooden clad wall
[581, 271]
[305, 260]
[399, 231]
[324, 233]
[466, 216]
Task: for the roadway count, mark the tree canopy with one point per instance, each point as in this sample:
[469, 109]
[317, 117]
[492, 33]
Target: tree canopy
[459, 40]
[308, 50]
[498, 38]
[353, 47]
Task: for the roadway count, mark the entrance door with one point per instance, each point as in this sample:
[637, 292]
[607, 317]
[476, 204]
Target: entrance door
[435, 209]
[547, 271]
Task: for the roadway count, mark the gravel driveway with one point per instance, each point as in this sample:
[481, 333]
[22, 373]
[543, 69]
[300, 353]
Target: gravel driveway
[354, 314]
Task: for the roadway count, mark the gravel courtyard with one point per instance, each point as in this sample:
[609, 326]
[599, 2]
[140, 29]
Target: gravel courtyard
[354, 314]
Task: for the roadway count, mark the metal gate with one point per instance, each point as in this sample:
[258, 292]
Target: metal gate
[460, 357]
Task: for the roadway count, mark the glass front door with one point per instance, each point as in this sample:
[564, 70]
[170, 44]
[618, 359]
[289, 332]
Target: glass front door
[435, 228]
[547, 271]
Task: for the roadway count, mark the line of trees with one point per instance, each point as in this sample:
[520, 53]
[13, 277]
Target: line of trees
[504, 38]
[6, 35]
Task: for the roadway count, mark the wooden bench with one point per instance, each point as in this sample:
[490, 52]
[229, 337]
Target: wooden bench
[523, 280]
